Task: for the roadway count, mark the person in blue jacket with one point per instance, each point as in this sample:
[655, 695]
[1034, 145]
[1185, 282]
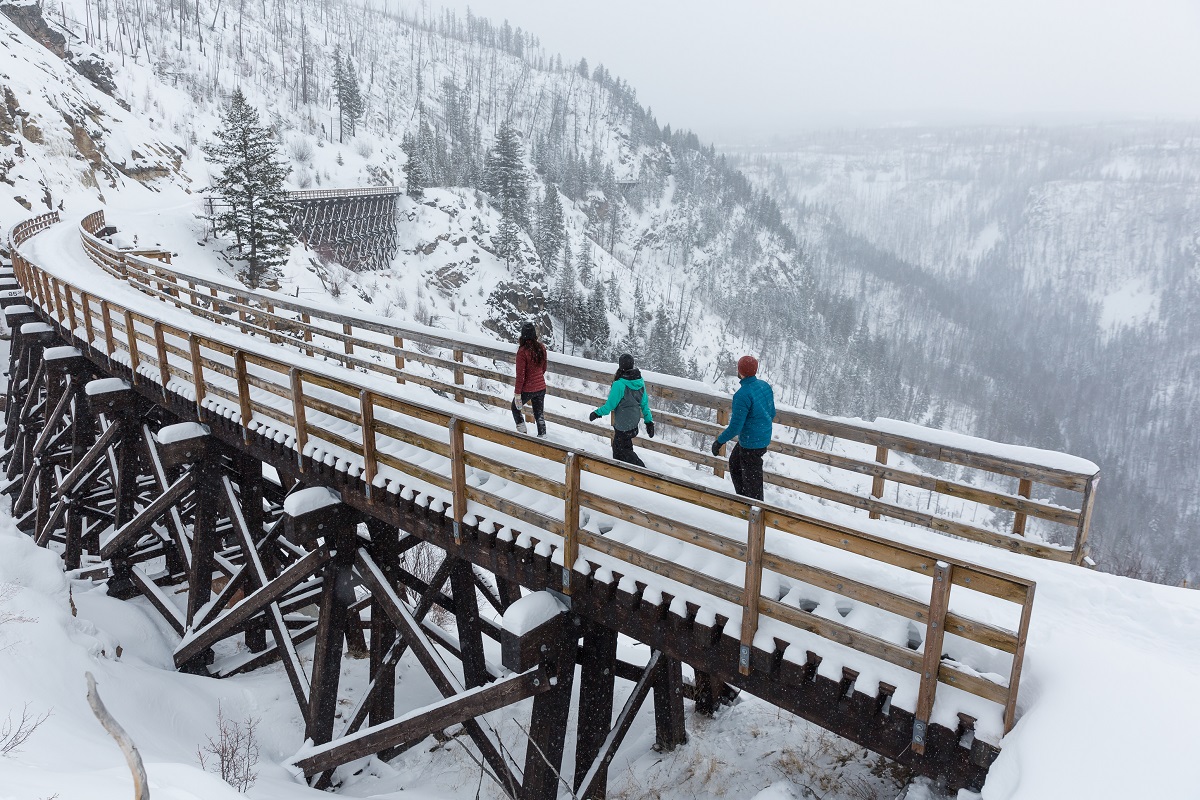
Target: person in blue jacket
[629, 403]
[750, 421]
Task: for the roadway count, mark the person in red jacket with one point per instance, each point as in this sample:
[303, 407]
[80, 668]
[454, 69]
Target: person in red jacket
[531, 379]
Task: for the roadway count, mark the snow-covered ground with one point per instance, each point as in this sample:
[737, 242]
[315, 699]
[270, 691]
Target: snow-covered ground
[1106, 656]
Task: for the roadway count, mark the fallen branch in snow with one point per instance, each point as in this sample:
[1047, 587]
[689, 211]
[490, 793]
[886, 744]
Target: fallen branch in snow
[141, 790]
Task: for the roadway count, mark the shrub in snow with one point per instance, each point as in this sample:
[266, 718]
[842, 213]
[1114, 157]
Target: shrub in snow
[301, 151]
[233, 754]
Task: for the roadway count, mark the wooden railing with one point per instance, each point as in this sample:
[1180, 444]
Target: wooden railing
[335, 194]
[755, 561]
[380, 347]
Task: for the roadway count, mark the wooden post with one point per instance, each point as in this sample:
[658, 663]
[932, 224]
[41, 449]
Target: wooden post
[458, 477]
[131, 336]
[70, 309]
[1014, 675]
[307, 320]
[396, 340]
[570, 520]
[939, 603]
[1024, 489]
[243, 387]
[164, 367]
[597, 684]
[297, 379]
[87, 319]
[197, 372]
[106, 315]
[723, 413]
[459, 376]
[470, 630]
[669, 729]
[348, 329]
[366, 402]
[337, 594]
[1079, 553]
[756, 538]
[881, 456]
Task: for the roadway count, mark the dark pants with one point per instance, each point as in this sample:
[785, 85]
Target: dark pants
[538, 399]
[622, 444]
[746, 470]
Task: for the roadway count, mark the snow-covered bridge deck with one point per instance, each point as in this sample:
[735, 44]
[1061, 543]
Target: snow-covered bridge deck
[901, 648]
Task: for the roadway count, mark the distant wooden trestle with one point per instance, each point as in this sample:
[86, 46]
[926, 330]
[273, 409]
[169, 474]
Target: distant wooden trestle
[165, 459]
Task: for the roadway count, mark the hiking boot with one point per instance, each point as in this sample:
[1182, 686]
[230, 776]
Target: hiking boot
[541, 427]
[521, 427]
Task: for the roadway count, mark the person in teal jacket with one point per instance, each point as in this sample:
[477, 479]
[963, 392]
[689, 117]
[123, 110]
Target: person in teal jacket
[750, 421]
[629, 403]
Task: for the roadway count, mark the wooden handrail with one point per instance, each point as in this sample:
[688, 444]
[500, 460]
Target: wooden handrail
[356, 349]
[216, 369]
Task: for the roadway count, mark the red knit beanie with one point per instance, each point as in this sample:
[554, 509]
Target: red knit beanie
[747, 366]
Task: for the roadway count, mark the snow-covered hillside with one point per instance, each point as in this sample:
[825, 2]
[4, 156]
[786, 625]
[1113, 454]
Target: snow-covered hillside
[1043, 283]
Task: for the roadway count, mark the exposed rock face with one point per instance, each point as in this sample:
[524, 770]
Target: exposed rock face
[517, 301]
[27, 15]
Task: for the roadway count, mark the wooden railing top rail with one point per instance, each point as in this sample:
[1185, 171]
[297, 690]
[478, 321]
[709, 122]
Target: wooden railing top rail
[367, 418]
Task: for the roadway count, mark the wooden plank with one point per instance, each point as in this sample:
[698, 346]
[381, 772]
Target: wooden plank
[1014, 675]
[408, 437]
[425, 721]
[399, 343]
[981, 579]
[939, 602]
[1085, 520]
[164, 367]
[529, 480]
[723, 412]
[691, 534]
[570, 520]
[512, 509]
[959, 625]
[458, 478]
[198, 382]
[298, 419]
[881, 455]
[132, 340]
[659, 566]
[644, 479]
[366, 402]
[129, 532]
[243, 390]
[755, 541]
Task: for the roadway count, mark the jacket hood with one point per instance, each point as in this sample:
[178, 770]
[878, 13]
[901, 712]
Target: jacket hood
[630, 375]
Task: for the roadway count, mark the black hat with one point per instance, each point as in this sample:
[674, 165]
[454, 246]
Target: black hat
[528, 331]
[625, 362]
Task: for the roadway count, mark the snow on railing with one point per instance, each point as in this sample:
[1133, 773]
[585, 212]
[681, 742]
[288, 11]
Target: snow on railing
[751, 564]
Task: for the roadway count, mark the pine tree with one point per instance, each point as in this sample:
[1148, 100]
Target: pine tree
[350, 100]
[551, 230]
[507, 240]
[415, 170]
[505, 177]
[251, 183]
[597, 317]
[584, 264]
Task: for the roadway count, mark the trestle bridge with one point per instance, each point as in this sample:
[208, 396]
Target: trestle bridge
[260, 470]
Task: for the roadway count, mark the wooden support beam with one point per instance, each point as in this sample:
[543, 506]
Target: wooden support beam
[439, 672]
[466, 612]
[669, 729]
[597, 684]
[423, 722]
[756, 538]
[586, 790]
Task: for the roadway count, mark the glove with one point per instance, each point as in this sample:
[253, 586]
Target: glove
[716, 448]
[592, 417]
[650, 429]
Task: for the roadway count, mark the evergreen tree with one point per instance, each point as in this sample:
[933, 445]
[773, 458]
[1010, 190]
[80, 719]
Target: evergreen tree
[251, 183]
[551, 230]
[584, 267]
[597, 318]
[507, 240]
[505, 177]
[350, 100]
[416, 171]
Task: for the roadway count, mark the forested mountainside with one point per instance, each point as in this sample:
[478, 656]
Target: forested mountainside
[1046, 279]
[663, 248]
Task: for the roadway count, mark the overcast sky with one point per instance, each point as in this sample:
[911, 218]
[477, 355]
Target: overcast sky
[757, 68]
